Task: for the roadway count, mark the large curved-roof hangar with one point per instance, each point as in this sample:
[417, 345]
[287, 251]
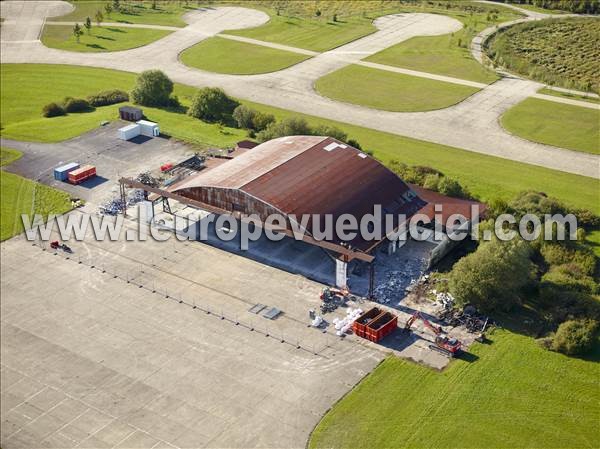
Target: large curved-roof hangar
[299, 175]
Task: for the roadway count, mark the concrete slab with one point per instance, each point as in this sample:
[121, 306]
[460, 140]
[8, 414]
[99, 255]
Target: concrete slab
[91, 360]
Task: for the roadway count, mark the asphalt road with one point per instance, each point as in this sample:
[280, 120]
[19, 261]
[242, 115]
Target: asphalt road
[471, 125]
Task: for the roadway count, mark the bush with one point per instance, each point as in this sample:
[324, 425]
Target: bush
[355, 144]
[152, 88]
[244, 116]
[451, 187]
[431, 182]
[212, 104]
[108, 97]
[53, 110]
[569, 277]
[331, 131]
[75, 105]
[287, 127]
[262, 120]
[574, 337]
[558, 254]
[493, 277]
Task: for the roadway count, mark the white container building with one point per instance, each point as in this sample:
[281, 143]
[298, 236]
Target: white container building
[130, 131]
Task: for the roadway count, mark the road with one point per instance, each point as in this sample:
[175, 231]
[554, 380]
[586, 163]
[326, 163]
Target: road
[471, 125]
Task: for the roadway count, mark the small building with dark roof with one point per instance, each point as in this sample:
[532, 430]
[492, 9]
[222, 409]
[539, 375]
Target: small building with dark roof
[130, 113]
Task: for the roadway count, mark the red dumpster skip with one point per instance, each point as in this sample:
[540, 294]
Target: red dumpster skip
[81, 174]
[381, 327]
[360, 324]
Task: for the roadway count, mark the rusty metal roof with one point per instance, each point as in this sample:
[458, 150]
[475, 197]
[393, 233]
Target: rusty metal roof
[313, 175]
[252, 164]
[450, 205]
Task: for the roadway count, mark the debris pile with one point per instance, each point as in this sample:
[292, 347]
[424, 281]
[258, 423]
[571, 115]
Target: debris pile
[115, 205]
[445, 299]
[468, 317]
[148, 179]
[392, 285]
[343, 325]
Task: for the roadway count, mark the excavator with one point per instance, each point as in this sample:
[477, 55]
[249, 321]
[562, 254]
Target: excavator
[450, 347]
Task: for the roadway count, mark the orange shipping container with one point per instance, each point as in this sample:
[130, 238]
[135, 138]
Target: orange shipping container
[81, 174]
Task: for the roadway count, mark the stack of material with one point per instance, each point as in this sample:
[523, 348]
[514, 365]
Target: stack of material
[343, 325]
[114, 206]
[473, 322]
[148, 179]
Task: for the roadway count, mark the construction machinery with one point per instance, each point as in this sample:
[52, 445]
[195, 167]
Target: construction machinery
[450, 347]
[333, 298]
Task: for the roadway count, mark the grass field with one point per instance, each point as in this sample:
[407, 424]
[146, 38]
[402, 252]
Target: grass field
[311, 34]
[486, 176]
[167, 12]
[514, 395]
[241, 58]
[557, 124]
[555, 93]
[561, 52]
[22, 102]
[104, 38]
[23, 196]
[447, 54]
[389, 91]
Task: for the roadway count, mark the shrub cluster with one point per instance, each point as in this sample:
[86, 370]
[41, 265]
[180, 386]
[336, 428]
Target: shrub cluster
[75, 105]
[562, 281]
[574, 337]
[429, 178]
[53, 110]
[212, 104]
[108, 97]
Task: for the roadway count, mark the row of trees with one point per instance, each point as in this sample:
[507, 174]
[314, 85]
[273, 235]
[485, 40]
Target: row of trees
[559, 278]
[154, 88]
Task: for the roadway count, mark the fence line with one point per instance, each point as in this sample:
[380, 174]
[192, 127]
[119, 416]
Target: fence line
[193, 303]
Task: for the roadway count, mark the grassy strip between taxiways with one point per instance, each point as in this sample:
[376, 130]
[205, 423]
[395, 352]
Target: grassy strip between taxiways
[561, 125]
[390, 91]
[24, 196]
[24, 94]
[165, 13]
[222, 55]
[100, 38]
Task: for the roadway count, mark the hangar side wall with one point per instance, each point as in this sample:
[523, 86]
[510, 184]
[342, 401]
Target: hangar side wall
[234, 201]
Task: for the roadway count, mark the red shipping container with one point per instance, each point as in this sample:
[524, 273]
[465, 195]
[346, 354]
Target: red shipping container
[81, 174]
[381, 327]
[360, 324]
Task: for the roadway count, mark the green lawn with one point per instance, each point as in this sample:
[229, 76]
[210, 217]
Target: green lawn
[570, 96]
[389, 91]
[557, 124]
[435, 54]
[514, 395]
[486, 176]
[22, 102]
[104, 38]
[447, 54]
[311, 34]
[167, 12]
[23, 196]
[239, 58]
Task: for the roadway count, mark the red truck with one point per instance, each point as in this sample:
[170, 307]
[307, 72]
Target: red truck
[81, 174]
